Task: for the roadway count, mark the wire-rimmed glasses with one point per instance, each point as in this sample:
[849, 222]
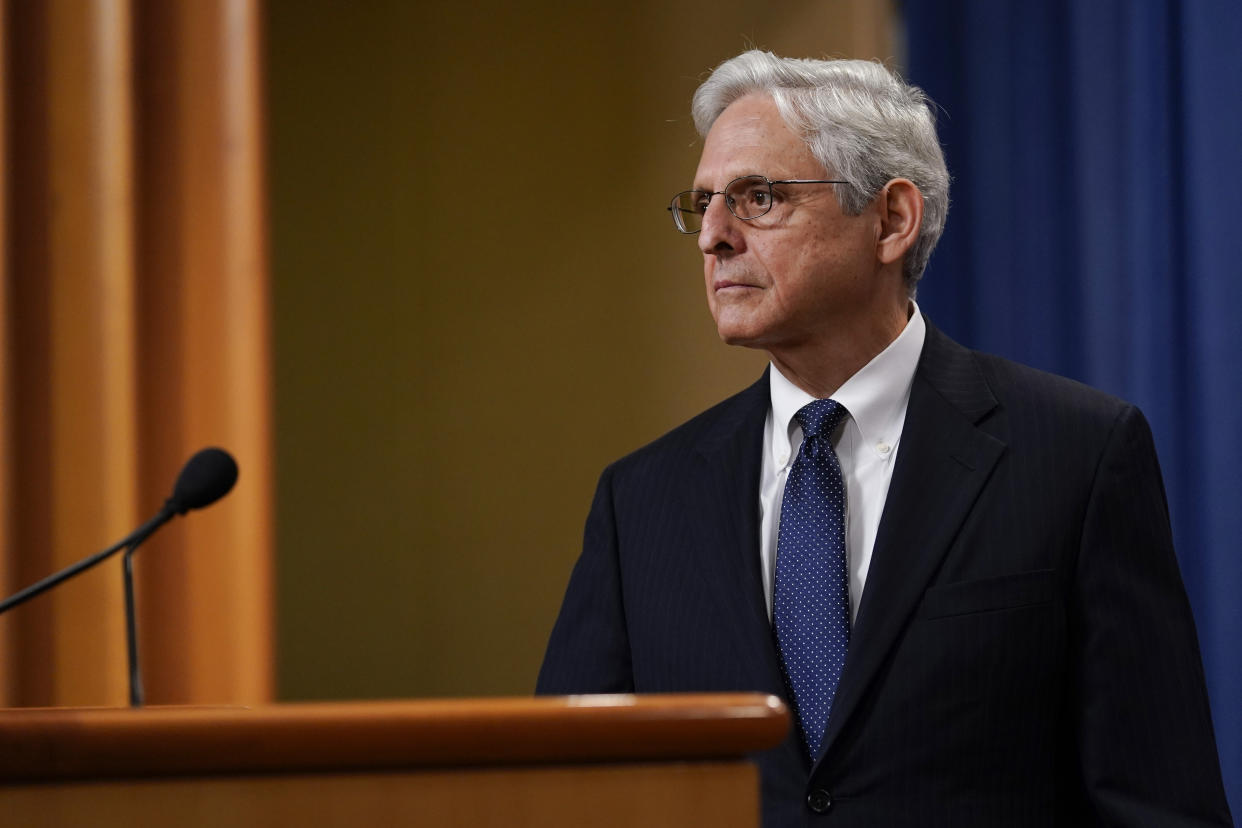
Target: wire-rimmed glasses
[747, 197]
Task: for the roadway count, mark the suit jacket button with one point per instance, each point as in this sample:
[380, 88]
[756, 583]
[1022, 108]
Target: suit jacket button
[818, 800]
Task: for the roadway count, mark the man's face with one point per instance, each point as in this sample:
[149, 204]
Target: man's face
[788, 278]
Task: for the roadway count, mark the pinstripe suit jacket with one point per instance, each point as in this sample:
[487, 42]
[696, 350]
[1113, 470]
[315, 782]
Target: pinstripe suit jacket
[1023, 654]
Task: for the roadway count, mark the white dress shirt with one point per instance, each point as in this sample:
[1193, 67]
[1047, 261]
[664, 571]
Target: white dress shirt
[866, 444]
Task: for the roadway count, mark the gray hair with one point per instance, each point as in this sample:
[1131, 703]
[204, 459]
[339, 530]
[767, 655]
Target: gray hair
[859, 119]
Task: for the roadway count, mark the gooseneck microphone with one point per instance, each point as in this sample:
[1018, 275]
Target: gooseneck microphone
[206, 477]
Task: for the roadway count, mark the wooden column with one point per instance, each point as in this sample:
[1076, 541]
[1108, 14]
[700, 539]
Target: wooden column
[204, 335]
[6, 397]
[71, 280]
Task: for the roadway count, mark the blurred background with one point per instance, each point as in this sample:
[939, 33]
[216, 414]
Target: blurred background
[410, 263]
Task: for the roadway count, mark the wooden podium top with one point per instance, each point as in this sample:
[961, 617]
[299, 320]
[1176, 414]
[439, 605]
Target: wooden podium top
[99, 743]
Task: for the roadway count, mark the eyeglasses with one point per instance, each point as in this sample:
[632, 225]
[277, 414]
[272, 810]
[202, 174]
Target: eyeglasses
[748, 198]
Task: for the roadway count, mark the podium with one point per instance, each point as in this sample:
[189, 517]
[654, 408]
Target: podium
[660, 760]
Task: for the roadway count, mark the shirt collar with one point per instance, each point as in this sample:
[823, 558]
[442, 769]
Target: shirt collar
[875, 396]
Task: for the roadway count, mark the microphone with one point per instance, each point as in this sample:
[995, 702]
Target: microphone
[205, 478]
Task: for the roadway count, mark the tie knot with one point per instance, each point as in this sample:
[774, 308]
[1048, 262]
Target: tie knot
[820, 417]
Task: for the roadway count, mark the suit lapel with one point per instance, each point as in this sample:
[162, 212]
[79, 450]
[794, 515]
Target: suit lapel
[727, 498]
[942, 464]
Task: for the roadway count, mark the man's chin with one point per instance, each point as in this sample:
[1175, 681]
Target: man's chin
[731, 335]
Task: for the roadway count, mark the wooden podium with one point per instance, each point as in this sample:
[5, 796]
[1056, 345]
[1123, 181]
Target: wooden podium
[648, 761]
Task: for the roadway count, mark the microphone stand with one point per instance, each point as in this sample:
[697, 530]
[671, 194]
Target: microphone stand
[136, 693]
[130, 544]
[205, 478]
[138, 536]
[131, 630]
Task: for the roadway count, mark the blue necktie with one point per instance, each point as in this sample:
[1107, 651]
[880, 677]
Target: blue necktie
[811, 604]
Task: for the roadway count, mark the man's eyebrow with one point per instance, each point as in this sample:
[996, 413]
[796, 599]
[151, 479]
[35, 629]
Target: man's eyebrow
[727, 181]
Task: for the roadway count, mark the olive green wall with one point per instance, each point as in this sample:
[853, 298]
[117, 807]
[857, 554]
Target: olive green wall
[479, 303]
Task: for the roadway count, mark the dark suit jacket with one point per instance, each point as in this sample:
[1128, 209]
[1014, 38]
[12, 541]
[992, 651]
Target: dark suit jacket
[1024, 653]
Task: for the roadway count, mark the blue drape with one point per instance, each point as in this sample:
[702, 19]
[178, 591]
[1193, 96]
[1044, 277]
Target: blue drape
[1096, 232]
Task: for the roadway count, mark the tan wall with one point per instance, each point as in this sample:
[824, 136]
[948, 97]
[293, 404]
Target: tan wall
[480, 302]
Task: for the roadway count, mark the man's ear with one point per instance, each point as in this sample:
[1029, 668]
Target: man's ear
[901, 216]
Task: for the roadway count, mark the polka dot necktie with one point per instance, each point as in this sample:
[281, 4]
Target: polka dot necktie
[811, 605]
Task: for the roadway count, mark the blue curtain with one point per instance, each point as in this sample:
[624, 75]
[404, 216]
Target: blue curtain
[1096, 232]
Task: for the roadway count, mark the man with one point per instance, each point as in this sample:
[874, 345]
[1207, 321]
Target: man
[958, 571]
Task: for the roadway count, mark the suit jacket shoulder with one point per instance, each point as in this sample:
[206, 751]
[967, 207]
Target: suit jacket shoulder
[667, 594]
[734, 417]
[976, 381]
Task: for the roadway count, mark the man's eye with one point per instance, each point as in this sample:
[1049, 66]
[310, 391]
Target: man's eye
[700, 203]
[760, 197]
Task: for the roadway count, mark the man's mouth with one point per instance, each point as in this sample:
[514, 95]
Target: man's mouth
[726, 284]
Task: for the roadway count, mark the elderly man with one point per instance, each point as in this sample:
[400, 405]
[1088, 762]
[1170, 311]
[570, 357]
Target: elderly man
[957, 570]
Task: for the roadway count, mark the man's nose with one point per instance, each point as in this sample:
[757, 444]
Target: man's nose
[720, 231]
